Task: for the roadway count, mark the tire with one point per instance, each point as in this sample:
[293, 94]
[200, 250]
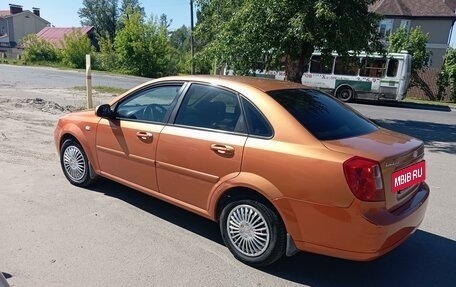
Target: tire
[238, 222]
[75, 164]
[345, 94]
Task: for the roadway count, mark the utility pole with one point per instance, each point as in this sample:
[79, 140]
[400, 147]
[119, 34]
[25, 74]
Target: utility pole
[192, 49]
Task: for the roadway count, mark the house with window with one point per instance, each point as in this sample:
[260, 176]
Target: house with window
[435, 17]
[15, 23]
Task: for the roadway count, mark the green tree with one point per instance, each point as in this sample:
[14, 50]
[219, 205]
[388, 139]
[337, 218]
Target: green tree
[107, 57]
[130, 44]
[180, 41]
[75, 46]
[129, 6]
[447, 76]
[414, 42]
[38, 50]
[163, 21]
[180, 38]
[142, 47]
[242, 32]
[101, 14]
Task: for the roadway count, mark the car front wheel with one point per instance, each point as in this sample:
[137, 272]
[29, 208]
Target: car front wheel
[253, 232]
[75, 165]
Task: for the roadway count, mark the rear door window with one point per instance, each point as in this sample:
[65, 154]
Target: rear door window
[322, 115]
[210, 107]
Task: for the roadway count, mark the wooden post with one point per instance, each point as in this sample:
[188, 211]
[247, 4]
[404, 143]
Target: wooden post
[89, 82]
[192, 41]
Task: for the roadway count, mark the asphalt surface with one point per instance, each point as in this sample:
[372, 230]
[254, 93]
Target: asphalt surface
[45, 78]
[54, 234]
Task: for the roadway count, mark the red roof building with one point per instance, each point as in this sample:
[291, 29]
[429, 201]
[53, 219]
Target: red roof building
[55, 35]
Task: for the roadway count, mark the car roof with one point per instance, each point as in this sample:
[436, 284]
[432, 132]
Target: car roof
[262, 84]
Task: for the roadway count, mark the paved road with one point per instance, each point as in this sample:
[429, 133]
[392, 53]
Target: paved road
[54, 234]
[46, 78]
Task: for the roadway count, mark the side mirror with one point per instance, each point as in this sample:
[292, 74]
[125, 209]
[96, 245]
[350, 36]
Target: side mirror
[104, 111]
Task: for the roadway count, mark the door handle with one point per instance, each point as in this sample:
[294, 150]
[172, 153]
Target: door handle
[224, 150]
[144, 135]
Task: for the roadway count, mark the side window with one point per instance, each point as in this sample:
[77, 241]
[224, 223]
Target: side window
[349, 67]
[210, 107]
[372, 67]
[393, 64]
[151, 104]
[317, 66]
[385, 28]
[256, 122]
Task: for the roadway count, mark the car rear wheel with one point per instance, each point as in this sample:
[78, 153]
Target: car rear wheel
[75, 165]
[253, 232]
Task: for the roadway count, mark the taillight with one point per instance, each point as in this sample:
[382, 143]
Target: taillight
[364, 178]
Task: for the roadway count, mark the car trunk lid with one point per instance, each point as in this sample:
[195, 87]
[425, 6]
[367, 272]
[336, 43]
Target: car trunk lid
[392, 150]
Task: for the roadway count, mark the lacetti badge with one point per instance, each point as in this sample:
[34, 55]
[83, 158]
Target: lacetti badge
[408, 176]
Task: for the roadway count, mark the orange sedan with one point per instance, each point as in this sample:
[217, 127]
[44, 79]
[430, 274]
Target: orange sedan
[280, 166]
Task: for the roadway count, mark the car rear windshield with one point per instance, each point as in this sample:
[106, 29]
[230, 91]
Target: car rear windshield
[322, 115]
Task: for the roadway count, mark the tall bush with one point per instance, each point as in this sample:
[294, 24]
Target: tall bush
[74, 48]
[447, 77]
[142, 47]
[107, 58]
[414, 42]
[38, 50]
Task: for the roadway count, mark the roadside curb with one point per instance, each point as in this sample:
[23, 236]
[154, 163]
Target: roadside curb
[410, 105]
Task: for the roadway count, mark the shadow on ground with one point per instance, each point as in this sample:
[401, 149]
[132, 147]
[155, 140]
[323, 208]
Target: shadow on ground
[160, 209]
[406, 105]
[437, 137]
[425, 259]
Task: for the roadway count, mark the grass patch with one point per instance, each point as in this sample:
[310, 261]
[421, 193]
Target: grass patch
[103, 89]
[22, 62]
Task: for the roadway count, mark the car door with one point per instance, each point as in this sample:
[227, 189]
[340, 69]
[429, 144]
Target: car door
[126, 145]
[203, 147]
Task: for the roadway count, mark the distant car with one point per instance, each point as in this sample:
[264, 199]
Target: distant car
[280, 166]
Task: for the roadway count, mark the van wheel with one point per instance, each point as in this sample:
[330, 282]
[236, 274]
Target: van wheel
[75, 165]
[345, 94]
[253, 232]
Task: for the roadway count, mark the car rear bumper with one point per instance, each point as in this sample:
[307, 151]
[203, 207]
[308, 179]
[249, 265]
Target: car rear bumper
[360, 232]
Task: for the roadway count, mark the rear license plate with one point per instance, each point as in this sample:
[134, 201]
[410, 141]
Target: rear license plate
[408, 176]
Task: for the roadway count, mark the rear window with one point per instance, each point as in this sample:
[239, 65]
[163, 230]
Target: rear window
[322, 115]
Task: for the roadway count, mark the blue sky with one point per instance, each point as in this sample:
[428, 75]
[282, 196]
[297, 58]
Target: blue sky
[64, 13]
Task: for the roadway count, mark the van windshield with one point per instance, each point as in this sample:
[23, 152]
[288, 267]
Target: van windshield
[322, 115]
